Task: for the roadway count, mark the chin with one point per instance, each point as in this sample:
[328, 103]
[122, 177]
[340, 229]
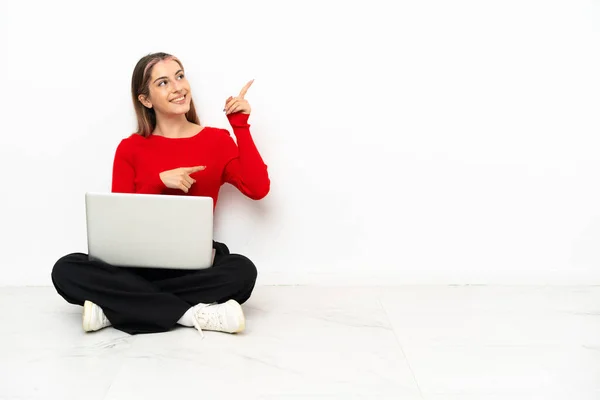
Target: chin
[182, 109]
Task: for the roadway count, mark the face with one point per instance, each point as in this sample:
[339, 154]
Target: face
[170, 91]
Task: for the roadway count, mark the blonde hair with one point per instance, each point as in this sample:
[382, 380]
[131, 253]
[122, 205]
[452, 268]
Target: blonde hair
[146, 117]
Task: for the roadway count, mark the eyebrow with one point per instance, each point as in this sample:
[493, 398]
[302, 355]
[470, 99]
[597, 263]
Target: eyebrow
[164, 77]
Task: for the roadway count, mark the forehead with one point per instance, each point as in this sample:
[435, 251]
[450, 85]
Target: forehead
[165, 68]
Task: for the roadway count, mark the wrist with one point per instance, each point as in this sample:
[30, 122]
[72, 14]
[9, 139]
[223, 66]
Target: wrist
[239, 120]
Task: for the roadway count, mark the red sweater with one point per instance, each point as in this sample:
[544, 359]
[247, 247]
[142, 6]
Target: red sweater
[139, 161]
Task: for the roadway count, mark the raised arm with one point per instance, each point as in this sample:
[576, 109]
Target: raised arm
[245, 169]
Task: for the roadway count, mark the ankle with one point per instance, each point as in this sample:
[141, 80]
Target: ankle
[187, 319]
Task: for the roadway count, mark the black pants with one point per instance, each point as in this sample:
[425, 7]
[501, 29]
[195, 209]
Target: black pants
[148, 300]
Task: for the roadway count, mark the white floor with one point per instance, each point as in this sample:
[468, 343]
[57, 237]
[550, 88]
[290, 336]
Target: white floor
[413, 342]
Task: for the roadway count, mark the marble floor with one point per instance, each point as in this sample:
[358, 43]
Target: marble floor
[405, 342]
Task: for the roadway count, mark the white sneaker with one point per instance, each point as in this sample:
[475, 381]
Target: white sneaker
[227, 317]
[93, 317]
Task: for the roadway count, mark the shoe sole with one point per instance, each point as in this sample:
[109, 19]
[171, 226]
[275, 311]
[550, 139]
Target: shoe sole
[241, 317]
[88, 309]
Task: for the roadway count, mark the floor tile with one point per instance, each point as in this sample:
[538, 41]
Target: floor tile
[411, 342]
[298, 342]
[44, 353]
[505, 370]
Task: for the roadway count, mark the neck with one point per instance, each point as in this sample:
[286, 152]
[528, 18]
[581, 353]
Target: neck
[171, 126]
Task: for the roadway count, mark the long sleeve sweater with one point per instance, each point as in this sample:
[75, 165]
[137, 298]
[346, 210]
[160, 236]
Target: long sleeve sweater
[139, 161]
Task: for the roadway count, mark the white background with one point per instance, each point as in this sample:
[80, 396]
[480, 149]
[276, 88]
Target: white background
[407, 141]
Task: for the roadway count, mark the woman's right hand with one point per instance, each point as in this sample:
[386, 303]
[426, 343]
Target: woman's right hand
[179, 178]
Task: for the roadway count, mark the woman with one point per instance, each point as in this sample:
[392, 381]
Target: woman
[172, 154]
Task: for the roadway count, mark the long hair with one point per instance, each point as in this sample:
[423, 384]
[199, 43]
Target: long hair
[146, 117]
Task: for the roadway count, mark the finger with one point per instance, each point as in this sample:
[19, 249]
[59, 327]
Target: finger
[245, 89]
[244, 106]
[182, 187]
[189, 180]
[237, 108]
[227, 102]
[185, 183]
[191, 170]
[231, 106]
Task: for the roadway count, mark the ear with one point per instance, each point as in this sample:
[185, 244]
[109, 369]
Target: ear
[144, 100]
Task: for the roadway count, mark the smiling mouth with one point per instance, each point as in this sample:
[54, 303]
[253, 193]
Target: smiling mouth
[179, 100]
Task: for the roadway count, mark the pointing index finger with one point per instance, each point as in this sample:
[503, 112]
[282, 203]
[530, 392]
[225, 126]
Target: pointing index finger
[245, 88]
[191, 170]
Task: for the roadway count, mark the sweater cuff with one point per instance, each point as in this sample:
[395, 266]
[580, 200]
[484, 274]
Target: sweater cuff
[239, 120]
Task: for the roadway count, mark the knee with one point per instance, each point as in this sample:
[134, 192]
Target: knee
[63, 267]
[246, 270]
[221, 248]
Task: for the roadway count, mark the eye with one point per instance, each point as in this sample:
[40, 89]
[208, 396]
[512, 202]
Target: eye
[161, 82]
[181, 76]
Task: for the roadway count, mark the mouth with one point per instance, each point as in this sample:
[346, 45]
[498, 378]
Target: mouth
[179, 100]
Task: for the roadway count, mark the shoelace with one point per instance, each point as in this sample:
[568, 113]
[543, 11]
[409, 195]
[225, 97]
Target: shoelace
[211, 319]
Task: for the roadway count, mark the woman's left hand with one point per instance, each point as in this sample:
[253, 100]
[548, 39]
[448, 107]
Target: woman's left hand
[238, 104]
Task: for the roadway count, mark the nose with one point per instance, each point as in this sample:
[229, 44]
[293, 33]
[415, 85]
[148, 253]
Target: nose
[177, 86]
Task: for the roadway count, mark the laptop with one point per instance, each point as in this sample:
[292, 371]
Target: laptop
[150, 231]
